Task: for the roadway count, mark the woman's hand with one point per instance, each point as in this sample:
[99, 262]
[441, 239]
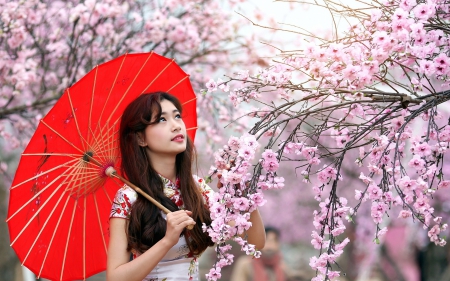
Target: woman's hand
[176, 222]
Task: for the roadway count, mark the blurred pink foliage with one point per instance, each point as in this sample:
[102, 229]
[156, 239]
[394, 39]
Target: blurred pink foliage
[45, 46]
[369, 101]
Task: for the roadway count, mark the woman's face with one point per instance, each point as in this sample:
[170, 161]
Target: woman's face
[167, 137]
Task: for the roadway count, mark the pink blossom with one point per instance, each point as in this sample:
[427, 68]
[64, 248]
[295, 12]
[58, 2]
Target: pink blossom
[417, 163]
[214, 274]
[374, 192]
[426, 67]
[405, 214]
[211, 85]
[407, 5]
[269, 155]
[444, 184]
[424, 11]
[442, 63]
[365, 179]
[423, 149]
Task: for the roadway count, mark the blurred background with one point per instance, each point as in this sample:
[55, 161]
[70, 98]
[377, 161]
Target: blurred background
[207, 49]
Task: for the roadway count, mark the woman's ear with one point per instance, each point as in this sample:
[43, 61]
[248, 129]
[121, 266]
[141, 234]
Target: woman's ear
[141, 139]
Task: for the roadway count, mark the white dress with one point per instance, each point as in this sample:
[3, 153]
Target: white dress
[178, 263]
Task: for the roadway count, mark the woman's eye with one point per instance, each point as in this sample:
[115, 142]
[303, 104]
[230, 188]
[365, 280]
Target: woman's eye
[178, 116]
[162, 119]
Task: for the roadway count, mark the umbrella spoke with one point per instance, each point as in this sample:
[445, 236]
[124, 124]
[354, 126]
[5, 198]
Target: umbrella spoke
[129, 87]
[191, 128]
[75, 156]
[99, 148]
[92, 103]
[188, 100]
[105, 144]
[67, 241]
[62, 137]
[43, 227]
[111, 141]
[112, 87]
[83, 140]
[76, 175]
[97, 143]
[84, 238]
[184, 78]
[39, 193]
[106, 141]
[37, 212]
[44, 173]
[157, 76]
[73, 186]
[53, 236]
[99, 222]
[149, 84]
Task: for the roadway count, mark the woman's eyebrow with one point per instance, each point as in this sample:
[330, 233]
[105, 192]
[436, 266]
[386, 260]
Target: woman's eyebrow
[174, 111]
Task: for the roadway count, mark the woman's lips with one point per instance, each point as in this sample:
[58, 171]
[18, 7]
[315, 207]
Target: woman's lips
[178, 138]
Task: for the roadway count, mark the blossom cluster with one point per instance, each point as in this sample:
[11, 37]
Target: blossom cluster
[47, 46]
[375, 92]
[239, 195]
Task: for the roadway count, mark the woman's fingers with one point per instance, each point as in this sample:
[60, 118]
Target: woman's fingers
[180, 219]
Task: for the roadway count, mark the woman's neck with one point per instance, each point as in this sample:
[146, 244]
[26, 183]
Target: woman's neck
[165, 166]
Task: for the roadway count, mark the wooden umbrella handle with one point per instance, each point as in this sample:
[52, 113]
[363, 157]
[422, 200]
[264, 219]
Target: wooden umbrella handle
[111, 172]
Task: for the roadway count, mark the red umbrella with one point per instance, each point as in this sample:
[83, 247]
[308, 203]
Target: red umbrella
[60, 198]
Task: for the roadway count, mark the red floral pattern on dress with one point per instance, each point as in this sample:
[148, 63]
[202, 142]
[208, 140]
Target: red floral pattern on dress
[126, 196]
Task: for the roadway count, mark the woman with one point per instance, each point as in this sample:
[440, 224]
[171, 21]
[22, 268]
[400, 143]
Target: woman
[157, 155]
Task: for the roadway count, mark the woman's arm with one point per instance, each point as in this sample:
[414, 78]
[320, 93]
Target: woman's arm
[256, 233]
[120, 268]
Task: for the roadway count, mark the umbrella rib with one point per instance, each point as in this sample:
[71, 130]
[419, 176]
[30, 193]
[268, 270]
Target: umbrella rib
[42, 229]
[157, 76]
[129, 87]
[99, 223]
[39, 193]
[83, 140]
[76, 176]
[82, 152]
[96, 147]
[184, 78]
[191, 128]
[77, 156]
[111, 140]
[37, 212]
[93, 179]
[67, 242]
[188, 100]
[71, 185]
[105, 144]
[84, 239]
[92, 100]
[154, 79]
[107, 196]
[53, 236]
[112, 87]
[46, 172]
[95, 183]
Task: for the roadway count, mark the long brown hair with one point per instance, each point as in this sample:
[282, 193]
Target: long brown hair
[147, 226]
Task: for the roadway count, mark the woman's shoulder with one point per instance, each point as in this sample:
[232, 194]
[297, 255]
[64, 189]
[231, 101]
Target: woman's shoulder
[124, 199]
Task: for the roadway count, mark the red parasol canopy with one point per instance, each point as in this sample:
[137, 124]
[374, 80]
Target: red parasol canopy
[59, 200]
